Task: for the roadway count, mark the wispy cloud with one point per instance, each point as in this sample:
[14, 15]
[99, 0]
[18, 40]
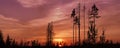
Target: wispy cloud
[31, 3]
[29, 18]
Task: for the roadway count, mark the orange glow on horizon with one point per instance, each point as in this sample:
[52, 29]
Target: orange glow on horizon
[58, 40]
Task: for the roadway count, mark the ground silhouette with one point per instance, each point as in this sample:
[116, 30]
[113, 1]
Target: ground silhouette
[11, 43]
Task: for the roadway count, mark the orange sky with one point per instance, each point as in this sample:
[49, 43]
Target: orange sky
[28, 19]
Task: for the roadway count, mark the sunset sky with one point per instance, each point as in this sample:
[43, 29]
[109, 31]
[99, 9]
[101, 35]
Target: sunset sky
[28, 19]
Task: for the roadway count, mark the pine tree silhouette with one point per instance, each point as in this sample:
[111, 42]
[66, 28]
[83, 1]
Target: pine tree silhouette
[8, 42]
[102, 37]
[13, 43]
[50, 34]
[2, 44]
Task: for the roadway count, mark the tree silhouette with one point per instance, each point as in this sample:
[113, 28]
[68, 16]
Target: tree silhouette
[50, 34]
[2, 44]
[13, 43]
[8, 42]
[92, 34]
[102, 37]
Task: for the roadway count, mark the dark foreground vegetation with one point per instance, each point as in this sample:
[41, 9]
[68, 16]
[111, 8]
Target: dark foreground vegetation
[11, 43]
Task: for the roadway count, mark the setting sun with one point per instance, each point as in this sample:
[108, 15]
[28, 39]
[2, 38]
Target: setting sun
[59, 23]
[58, 40]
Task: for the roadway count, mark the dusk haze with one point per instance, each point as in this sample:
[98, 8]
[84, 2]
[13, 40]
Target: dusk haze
[66, 23]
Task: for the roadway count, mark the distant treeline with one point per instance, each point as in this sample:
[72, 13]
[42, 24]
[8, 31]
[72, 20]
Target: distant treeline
[11, 43]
